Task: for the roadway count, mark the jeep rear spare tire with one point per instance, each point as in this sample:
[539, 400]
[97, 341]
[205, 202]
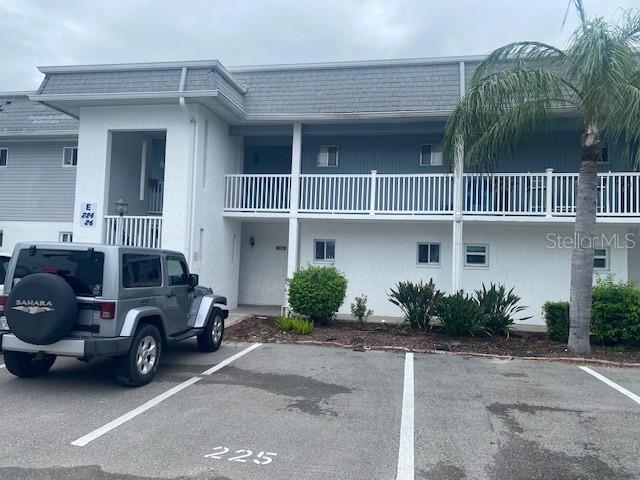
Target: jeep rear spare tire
[41, 309]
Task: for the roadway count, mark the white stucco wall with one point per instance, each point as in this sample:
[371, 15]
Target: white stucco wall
[519, 257]
[374, 256]
[263, 268]
[94, 152]
[216, 240]
[14, 232]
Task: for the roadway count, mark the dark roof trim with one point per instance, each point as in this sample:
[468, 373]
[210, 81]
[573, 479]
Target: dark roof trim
[124, 67]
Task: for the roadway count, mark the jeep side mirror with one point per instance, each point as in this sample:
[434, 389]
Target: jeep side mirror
[194, 279]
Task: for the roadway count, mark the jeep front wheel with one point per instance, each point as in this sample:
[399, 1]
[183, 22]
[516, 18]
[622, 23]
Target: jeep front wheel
[26, 365]
[211, 338]
[138, 367]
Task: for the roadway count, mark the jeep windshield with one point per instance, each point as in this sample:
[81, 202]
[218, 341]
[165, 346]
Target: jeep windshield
[83, 270]
[4, 264]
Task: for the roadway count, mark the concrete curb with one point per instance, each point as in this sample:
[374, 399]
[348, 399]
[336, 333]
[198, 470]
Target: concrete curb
[580, 360]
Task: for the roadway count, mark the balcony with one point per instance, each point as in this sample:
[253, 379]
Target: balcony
[133, 231]
[546, 194]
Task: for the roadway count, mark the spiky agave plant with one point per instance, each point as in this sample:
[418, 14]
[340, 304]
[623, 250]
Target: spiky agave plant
[518, 88]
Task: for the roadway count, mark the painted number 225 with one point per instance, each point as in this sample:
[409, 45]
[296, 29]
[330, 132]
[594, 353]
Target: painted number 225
[262, 458]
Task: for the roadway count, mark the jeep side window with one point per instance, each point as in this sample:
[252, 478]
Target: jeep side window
[177, 271]
[140, 271]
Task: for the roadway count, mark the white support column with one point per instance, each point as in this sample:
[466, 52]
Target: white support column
[458, 190]
[296, 161]
[374, 186]
[292, 248]
[458, 197]
[549, 192]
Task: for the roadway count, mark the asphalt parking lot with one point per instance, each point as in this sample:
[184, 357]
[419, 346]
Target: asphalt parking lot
[284, 411]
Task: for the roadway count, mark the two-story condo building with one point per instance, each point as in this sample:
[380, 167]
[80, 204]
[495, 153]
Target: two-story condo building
[253, 172]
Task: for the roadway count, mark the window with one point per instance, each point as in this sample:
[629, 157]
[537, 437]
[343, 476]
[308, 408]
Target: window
[428, 254]
[430, 155]
[65, 237]
[4, 266]
[1, 237]
[328, 156]
[600, 259]
[69, 156]
[4, 156]
[82, 269]
[476, 255]
[178, 271]
[604, 158]
[325, 250]
[141, 271]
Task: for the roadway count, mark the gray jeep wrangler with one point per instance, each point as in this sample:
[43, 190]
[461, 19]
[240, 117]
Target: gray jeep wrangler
[91, 301]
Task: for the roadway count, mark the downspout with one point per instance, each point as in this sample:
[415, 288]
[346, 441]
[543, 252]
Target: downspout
[192, 170]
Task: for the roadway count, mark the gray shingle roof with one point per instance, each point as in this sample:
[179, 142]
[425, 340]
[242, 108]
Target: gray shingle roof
[19, 115]
[394, 88]
[420, 86]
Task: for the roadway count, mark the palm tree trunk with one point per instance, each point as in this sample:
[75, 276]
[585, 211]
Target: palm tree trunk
[582, 254]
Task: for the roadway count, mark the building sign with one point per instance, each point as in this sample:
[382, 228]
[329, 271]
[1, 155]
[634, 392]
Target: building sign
[88, 214]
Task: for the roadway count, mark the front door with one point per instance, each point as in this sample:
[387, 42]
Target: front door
[179, 295]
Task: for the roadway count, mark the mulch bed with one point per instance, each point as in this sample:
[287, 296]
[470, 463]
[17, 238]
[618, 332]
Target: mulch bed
[398, 337]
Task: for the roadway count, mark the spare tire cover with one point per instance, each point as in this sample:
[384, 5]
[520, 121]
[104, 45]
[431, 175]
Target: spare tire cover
[41, 309]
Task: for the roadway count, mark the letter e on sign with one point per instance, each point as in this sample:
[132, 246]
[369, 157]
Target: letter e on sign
[87, 214]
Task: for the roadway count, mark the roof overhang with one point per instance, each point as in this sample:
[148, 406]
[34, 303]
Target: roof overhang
[214, 100]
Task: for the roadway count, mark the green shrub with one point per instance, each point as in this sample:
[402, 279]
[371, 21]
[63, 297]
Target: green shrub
[556, 315]
[300, 326]
[417, 301]
[317, 292]
[359, 309]
[461, 314]
[615, 314]
[499, 306]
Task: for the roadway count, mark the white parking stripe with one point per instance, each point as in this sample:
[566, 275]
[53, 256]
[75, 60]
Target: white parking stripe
[90, 437]
[613, 385]
[405, 453]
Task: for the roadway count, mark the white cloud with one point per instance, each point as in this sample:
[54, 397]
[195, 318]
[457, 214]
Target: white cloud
[39, 32]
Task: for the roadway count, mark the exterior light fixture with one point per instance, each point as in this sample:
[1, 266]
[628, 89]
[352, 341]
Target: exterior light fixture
[122, 206]
[252, 241]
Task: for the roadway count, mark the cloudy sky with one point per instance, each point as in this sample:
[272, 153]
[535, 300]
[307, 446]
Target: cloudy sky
[249, 32]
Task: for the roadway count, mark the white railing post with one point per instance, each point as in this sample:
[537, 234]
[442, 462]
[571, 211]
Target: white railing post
[372, 198]
[549, 192]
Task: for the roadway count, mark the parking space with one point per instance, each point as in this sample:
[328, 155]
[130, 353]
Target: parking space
[284, 411]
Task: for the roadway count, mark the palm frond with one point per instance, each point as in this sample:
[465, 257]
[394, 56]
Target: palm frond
[622, 123]
[629, 28]
[514, 55]
[579, 8]
[496, 115]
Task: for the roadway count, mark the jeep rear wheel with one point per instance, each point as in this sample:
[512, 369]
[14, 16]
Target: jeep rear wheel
[26, 365]
[211, 338]
[138, 367]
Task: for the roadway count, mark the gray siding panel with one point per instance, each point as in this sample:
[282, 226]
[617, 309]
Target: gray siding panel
[35, 186]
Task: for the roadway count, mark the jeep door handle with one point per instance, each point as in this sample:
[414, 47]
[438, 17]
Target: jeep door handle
[171, 294]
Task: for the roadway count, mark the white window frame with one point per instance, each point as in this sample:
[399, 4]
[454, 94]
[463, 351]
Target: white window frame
[486, 255]
[428, 263]
[6, 157]
[325, 259]
[605, 257]
[434, 149]
[320, 147]
[62, 235]
[64, 157]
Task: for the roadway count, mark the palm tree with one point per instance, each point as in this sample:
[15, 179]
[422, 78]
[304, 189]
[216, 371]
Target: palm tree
[520, 87]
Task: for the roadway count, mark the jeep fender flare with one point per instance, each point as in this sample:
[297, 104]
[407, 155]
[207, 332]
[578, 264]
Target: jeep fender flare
[135, 315]
[208, 305]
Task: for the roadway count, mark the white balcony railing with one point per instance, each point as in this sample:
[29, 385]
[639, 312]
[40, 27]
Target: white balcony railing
[155, 192]
[335, 193]
[503, 194]
[133, 231]
[257, 193]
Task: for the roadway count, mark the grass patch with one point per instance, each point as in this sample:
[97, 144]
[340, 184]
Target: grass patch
[300, 326]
